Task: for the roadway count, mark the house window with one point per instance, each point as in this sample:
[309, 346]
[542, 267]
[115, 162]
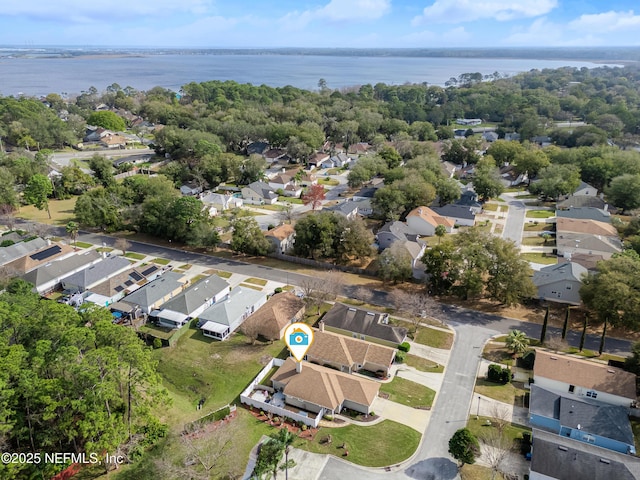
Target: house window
[592, 394]
[571, 388]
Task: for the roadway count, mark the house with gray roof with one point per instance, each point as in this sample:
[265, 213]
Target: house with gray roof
[191, 302]
[223, 318]
[585, 213]
[49, 277]
[581, 201]
[588, 420]
[559, 458]
[18, 250]
[259, 193]
[363, 324]
[118, 286]
[157, 292]
[392, 232]
[584, 189]
[96, 273]
[460, 214]
[560, 283]
[347, 209]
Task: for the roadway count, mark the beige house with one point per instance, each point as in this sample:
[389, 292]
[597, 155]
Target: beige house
[281, 310]
[282, 237]
[349, 354]
[423, 221]
[319, 389]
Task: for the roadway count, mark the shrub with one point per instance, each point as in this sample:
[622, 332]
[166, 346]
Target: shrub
[404, 347]
[304, 427]
[499, 374]
[400, 357]
[278, 290]
[157, 342]
[6, 243]
[328, 418]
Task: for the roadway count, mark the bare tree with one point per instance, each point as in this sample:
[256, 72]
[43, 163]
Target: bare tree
[416, 305]
[500, 416]
[326, 286]
[495, 448]
[286, 215]
[331, 284]
[122, 244]
[556, 343]
[39, 229]
[363, 294]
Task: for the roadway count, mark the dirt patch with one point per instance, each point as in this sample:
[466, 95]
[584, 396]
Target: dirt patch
[210, 427]
[307, 434]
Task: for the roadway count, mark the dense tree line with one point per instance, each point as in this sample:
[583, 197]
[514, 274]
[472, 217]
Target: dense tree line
[71, 382]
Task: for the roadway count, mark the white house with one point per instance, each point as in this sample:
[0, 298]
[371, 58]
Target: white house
[560, 283]
[221, 319]
[221, 201]
[259, 193]
[423, 221]
[282, 237]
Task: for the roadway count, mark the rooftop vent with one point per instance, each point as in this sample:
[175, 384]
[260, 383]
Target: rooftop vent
[553, 358]
[610, 371]
[564, 449]
[605, 461]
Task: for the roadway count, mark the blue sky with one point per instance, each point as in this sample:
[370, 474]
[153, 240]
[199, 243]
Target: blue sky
[321, 23]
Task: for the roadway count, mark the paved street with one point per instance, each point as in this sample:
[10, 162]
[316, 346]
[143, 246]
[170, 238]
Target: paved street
[515, 219]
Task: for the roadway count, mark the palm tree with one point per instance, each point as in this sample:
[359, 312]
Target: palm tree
[72, 229]
[517, 342]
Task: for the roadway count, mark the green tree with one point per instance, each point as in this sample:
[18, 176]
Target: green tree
[102, 170]
[556, 180]
[509, 274]
[517, 342]
[389, 202]
[531, 162]
[72, 229]
[440, 232]
[464, 446]
[624, 192]
[247, 237]
[107, 119]
[487, 183]
[37, 192]
[354, 241]
[395, 263]
[443, 266]
[448, 191]
[102, 208]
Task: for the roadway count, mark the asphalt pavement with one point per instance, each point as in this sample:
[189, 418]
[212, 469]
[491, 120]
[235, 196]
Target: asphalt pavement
[515, 220]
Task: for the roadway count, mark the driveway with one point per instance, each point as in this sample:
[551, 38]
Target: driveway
[515, 219]
[409, 416]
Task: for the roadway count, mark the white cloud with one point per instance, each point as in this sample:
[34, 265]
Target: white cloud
[543, 33]
[105, 10]
[606, 22]
[339, 11]
[458, 11]
[426, 38]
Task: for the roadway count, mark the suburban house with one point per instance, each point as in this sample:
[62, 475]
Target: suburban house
[584, 189]
[469, 198]
[423, 221]
[259, 193]
[581, 201]
[157, 292]
[221, 201]
[39, 257]
[191, 189]
[490, 137]
[317, 159]
[282, 180]
[48, 277]
[307, 179]
[191, 302]
[512, 136]
[365, 208]
[274, 154]
[257, 148]
[95, 274]
[591, 227]
[570, 244]
[319, 389]
[585, 213]
[114, 141]
[360, 148]
[222, 318]
[122, 284]
[363, 324]
[20, 249]
[468, 121]
[510, 178]
[590, 262]
[396, 231]
[606, 426]
[347, 209]
[339, 160]
[282, 237]
[281, 310]
[560, 283]
[559, 458]
[584, 379]
[461, 215]
[348, 354]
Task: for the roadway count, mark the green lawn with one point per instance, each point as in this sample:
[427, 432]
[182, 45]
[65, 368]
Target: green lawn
[478, 472]
[540, 213]
[219, 273]
[479, 428]
[291, 200]
[423, 364]
[161, 261]
[104, 249]
[135, 256]
[537, 226]
[434, 338]
[186, 266]
[538, 242]
[408, 393]
[256, 281]
[160, 332]
[385, 443]
[83, 244]
[491, 207]
[508, 393]
[544, 258]
[328, 181]
[61, 212]
[252, 287]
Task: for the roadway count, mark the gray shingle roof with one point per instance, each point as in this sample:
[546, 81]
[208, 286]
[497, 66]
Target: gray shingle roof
[565, 459]
[229, 310]
[569, 271]
[262, 189]
[363, 322]
[98, 271]
[585, 213]
[196, 295]
[156, 290]
[17, 250]
[455, 211]
[344, 208]
[60, 268]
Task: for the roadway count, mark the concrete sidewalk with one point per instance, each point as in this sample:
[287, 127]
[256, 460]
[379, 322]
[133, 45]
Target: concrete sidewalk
[409, 416]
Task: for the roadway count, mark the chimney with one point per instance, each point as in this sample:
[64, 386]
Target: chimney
[298, 367]
[321, 325]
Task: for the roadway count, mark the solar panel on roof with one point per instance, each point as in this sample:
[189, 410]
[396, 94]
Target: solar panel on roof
[136, 276]
[128, 283]
[119, 288]
[149, 270]
[44, 254]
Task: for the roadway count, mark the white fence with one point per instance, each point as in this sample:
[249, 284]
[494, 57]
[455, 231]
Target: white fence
[245, 397]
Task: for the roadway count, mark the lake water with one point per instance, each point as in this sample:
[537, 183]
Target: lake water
[40, 76]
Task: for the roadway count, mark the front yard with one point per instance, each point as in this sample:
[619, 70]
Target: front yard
[386, 443]
[512, 393]
[540, 213]
[408, 393]
[432, 337]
